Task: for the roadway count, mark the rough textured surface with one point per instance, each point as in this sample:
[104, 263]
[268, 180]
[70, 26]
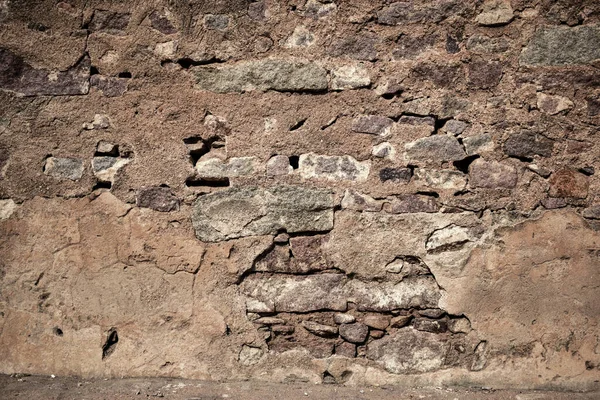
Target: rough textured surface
[303, 191]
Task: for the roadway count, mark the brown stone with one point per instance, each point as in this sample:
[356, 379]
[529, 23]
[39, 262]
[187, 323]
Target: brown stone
[568, 182]
[345, 349]
[354, 333]
[157, 198]
[492, 174]
[377, 321]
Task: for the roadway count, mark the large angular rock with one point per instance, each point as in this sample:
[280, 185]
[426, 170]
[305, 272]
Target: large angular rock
[445, 179]
[495, 12]
[372, 124]
[436, 148]
[528, 144]
[568, 182]
[552, 45]
[415, 292]
[157, 198]
[215, 168]
[410, 351]
[286, 293]
[267, 74]
[492, 174]
[252, 211]
[64, 168]
[333, 168]
[18, 76]
[350, 77]
[412, 203]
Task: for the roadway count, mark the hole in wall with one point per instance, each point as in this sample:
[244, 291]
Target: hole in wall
[109, 346]
[199, 182]
[102, 185]
[124, 74]
[94, 70]
[57, 331]
[295, 161]
[297, 125]
[463, 165]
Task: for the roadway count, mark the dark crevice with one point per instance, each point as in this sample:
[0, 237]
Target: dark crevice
[330, 123]
[57, 331]
[295, 161]
[94, 70]
[187, 62]
[109, 346]
[429, 193]
[202, 182]
[463, 165]
[39, 278]
[102, 185]
[588, 171]
[200, 147]
[439, 123]
[523, 158]
[298, 125]
[124, 74]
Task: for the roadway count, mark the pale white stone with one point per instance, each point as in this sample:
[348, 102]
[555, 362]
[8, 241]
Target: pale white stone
[333, 168]
[216, 168]
[384, 150]
[7, 208]
[350, 77]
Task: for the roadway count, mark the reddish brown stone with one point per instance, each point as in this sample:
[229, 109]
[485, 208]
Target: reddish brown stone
[568, 182]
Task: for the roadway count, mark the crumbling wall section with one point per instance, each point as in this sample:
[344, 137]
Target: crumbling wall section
[357, 192]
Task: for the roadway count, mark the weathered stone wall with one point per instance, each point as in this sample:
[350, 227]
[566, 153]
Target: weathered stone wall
[326, 191]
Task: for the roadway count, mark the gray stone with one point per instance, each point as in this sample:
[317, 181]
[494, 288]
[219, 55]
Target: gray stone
[279, 165]
[157, 198]
[440, 179]
[359, 47]
[250, 355]
[449, 238]
[301, 37]
[288, 293]
[110, 86]
[317, 10]
[552, 45]
[492, 174]
[541, 171]
[105, 167]
[18, 76]
[384, 150]
[345, 349]
[395, 175]
[455, 127]
[412, 203]
[216, 21]
[109, 21]
[64, 168]
[320, 329]
[436, 148]
[495, 12]
[459, 325]
[430, 325]
[409, 46]
[484, 74]
[478, 144]
[339, 318]
[552, 203]
[412, 292]
[409, 351]
[252, 211]
[215, 168]
[372, 124]
[400, 321]
[162, 23]
[528, 144]
[256, 10]
[417, 121]
[349, 77]
[101, 121]
[485, 44]
[333, 168]
[267, 74]
[354, 333]
[353, 200]
[431, 312]
[592, 212]
[104, 148]
[553, 104]
[479, 357]
[404, 12]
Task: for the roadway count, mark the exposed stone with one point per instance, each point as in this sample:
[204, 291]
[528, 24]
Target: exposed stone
[384, 150]
[484, 74]
[592, 212]
[478, 144]
[417, 292]
[376, 334]
[345, 349]
[395, 267]
[377, 321]
[528, 144]
[281, 238]
[279, 165]
[104, 148]
[339, 318]
[459, 325]
[110, 86]
[215, 168]
[317, 10]
[64, 168]
[568, 182]
[485, 44]
[218, 21]
[479, 359]
[431, 312]
[551, 203]
[281, 292]
[492, 174]
[372, 124]
[395, 175]
[109, 21]
[553, 104]
[400, 321]
[256, 10]
[440, 179]
[409, 351]
[436, 148]
[162, 23]
[101, 121]
[283, 329]
[251, 211]
[412, 203]
[359, 47]
[157, 198]
[349, 77]
[333, 168]
[430, 325]
[307, 253]
[18, 76]
[449, 238]
[403, 12]
[455, 127]
[267, 74]
[354, 333]
[543, 172]
[7, 208]
[417, 121]
[166, 50]
[353, 200]
[409, 46]
[495, 12]
[269, 321]
[442, 75]
[301, 37]
[320, 329]
[105, 167]
[557, 45]
[250, 355]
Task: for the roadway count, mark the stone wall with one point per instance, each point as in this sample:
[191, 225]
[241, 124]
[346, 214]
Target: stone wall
[358, 192]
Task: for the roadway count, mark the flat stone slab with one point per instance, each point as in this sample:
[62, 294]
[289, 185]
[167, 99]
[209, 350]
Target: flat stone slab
[253, 211]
